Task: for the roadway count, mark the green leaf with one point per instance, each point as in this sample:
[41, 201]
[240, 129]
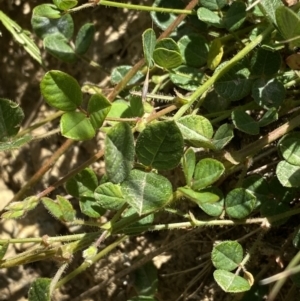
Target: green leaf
[197, 130]
[146, 281]
[47, 10]
[213, 4]
[234, 84]
[289, 147]
[98, 108]
[209, 17]
[61, 90]
[57, 45]
[201, 197]
[215, 103]
[146, 192]
[215, 208]
[119, 152]
[187, 78]
[163, 20]
[61, 208]
[84, 38]
[273, 207]
[82, 184]
[90, 207]
[265, 63]
[68, 212]
[167, 54]
[288, 23]
[235, 16]
[119, 72]
[109, 196]
[65, 4]
[193, 49]
[223, 136]
[288, 174]
[21, 37]
[259, 187]
[120, 109]
[76, 126]
[149, 42]
[268, 93]
[244, 122]
[11, 116]
[269, 8]
[239, 203]
[231, 283]
[160, 145]
[207, 172]
[43, 25]
[14, 143]
[188, 164]
[227, 255]
[19, 209]
[40, 290]
[269, 117]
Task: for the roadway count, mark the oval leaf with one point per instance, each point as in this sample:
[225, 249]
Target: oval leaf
[149, 42]
[61, 90]
[40, 290]
[119, 152]
[84, 38]
[160, 145]
[207, 172]
[288, 174]
[290, 148]
[244, 122]
[146, 192]
[76, 126]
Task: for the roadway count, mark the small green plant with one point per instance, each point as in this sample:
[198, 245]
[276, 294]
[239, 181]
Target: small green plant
[225, 64]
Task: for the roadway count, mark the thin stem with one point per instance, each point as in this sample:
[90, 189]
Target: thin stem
[239, 56]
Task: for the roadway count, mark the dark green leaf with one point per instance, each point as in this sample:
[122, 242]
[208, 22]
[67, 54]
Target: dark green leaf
[234, 84]
[160, 145]
[235, 16]
[90, 207]
[40, 290]
[119, 152]
[265, 63]
[44, 26]
[269, 8]
[268, 93]
[213, 4]
[76, 126]
[270, 116]
[273, 207]
[84, 38]
[193, 49]
[68, 212]
[61, 90]
[14, 143]
[57, 45]
[146, 192]
[11, 116]
[244, 122]
[214, 103]
[239, 203]
[83, 184]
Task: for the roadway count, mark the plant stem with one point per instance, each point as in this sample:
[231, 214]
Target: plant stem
[87, 264]
[222, 71]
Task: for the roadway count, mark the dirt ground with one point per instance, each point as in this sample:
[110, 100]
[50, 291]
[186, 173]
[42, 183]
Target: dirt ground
[185, 271]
